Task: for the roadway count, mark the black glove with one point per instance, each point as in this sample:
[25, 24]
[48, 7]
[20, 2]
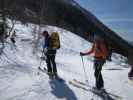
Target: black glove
[82, 54]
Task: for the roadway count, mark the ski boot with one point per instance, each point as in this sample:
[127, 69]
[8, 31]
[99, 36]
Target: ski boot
[50, 74]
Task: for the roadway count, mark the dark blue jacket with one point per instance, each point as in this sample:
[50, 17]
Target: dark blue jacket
[46, 42]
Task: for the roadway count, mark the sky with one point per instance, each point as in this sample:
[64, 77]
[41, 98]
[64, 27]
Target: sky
[116, 14]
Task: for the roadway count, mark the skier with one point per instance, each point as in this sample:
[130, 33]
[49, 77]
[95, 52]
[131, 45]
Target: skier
[100, 53]
[130, 61]
[51, 44]
[110, 51]
[13, 37]
[2, 32]
[130, 74]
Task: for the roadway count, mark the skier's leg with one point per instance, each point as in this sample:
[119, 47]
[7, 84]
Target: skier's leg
[48, 64]
[99, 79]
[96, 73]
[54, 64]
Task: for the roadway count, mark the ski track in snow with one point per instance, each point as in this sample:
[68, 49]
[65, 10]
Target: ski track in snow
[19, 79]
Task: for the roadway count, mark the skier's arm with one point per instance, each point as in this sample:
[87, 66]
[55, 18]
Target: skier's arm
[45, 44]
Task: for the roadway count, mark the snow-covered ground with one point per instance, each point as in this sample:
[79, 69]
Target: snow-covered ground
[19, 79]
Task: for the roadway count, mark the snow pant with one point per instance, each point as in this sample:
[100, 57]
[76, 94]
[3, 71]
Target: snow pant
[50, 60]
[98, 63]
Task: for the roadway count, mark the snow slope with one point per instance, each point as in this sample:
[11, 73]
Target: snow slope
[19, 79]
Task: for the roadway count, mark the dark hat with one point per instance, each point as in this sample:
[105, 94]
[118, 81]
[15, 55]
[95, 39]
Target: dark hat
[45, 33]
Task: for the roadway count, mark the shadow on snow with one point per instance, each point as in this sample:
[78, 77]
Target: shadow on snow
[61, 90]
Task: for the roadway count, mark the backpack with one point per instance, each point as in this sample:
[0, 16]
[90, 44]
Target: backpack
[101, 46]
[54, 41]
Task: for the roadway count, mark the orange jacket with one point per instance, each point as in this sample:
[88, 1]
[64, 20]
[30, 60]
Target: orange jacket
[99, 49]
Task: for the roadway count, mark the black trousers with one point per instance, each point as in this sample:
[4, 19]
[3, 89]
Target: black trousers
[51, 65]
[13, 40]
[98, 75]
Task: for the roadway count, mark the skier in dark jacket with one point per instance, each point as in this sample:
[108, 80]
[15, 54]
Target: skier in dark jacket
[100, 52]
[13, 35]
[51, 44]
[130, 74]
[130, 61]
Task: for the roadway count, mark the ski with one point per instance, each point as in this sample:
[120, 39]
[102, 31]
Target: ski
[82, 83]
[50, 76]
[93, 90]
[87, 87]
[102, 94]
[44, 70]
[78, 86]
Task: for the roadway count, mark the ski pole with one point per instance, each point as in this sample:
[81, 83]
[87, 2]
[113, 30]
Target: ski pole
[85, 74]
[84, 70]
[40, 63]
[41, 60]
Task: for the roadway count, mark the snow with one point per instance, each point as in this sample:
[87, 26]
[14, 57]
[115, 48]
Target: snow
[19, 79]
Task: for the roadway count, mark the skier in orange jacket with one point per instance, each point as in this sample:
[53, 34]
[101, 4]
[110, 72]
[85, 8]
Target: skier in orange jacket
[100, 51]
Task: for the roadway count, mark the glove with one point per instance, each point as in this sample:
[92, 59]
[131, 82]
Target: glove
[82, 54]
[43, 58]
[45, 50]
